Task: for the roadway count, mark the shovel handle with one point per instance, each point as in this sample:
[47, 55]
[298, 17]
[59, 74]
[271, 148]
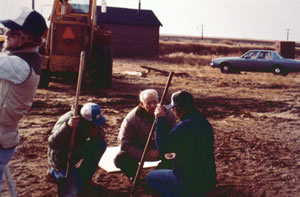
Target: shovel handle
[75, 108]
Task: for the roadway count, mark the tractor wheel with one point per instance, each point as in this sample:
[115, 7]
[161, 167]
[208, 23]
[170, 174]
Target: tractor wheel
[99, 67]
[44, 79]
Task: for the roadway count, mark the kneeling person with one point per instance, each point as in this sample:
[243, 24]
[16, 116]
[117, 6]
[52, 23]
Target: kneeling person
[134, 133]
[89, 146]
[192, 141]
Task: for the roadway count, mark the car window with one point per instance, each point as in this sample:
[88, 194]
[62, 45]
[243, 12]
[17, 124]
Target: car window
[265, 55]
[268, 56]
[261, 55]
[250, 55]
[253, 55]
[246, 54]
[80, 6]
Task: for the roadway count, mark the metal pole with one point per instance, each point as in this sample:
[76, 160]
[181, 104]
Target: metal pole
[149, 137]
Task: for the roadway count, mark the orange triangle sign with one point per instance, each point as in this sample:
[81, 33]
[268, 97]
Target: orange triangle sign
[68, 34]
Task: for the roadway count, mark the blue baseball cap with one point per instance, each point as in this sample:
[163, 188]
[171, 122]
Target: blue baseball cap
[92, 113]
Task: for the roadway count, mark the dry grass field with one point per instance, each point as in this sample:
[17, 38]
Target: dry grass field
[255, 118]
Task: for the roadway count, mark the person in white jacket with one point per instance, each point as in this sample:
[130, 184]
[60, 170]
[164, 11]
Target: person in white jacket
[19, 76]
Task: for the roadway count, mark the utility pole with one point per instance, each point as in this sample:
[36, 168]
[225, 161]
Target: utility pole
[139, 8]
[287, 33]
[202, 29]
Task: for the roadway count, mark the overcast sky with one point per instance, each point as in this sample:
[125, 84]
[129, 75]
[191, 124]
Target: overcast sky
[252, 19]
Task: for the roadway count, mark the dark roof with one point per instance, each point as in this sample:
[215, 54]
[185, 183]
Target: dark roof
[127, 16]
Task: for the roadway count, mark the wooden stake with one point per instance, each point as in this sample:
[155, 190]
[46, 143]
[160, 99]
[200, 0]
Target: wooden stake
[75, 108]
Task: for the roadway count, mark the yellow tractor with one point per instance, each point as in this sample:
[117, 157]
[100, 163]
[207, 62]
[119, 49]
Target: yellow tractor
[73, 28]
[2, 37]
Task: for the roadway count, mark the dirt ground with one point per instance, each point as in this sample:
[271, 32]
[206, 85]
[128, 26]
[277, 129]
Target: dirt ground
[255, 118]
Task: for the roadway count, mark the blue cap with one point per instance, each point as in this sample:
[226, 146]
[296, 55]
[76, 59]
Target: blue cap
[92, 113]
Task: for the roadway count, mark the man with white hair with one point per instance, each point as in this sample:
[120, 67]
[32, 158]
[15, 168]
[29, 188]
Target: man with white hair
[134, 133]
[20, 71]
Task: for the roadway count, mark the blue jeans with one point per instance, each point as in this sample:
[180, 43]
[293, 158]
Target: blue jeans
[5, 156]
[165, 182]
[90, 153]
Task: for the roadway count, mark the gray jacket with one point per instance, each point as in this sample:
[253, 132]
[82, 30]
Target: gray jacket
[59, 142]
[135, 129]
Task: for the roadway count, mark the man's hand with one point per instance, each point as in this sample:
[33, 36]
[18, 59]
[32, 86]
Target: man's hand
[152, 155]
[73, 121]
[160, 111]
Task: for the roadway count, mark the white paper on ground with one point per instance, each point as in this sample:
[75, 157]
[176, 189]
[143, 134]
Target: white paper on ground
[107, 160]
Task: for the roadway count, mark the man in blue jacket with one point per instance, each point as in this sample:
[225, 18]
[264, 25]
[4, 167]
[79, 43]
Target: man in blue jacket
[192, 143]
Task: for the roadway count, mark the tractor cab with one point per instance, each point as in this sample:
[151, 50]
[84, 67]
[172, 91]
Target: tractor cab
[73, 29]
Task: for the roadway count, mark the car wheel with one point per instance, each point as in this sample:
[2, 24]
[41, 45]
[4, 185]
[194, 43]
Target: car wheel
[279, 70]
[226, 68]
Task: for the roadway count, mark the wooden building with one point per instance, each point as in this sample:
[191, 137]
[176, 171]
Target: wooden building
[135, 33]
[286, 48]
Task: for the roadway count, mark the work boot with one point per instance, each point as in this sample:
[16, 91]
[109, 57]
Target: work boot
[90, 187]
[50, 177]
[94, 184]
